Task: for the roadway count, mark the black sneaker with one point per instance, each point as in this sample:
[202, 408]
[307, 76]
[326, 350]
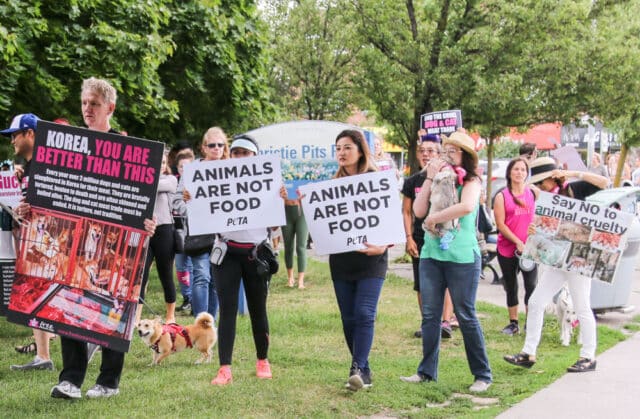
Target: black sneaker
[358, 378]
[583, 365]
[185, 306]
[417, 334]
[511, 329]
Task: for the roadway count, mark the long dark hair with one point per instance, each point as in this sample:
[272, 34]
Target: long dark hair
[364, 162]
[469, 164]
[508, 176]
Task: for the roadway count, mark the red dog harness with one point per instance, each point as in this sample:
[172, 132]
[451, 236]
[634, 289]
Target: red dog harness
[173, 329]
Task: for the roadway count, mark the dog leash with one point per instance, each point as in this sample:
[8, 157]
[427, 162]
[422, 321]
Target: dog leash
[145, 305]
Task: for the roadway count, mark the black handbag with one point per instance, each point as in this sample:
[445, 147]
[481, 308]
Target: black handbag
[197, 245]
[268, 255]
[179, 236]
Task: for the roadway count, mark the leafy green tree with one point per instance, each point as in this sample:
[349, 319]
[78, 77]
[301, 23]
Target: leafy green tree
[503, 63]
[314, 57]
[179, 66]
[614, 80]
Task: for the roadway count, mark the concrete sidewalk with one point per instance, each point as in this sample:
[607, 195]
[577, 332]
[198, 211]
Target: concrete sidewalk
[613, 390]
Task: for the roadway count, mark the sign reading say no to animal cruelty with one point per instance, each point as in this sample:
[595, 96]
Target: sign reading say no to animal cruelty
[343, 214]
[234, 194]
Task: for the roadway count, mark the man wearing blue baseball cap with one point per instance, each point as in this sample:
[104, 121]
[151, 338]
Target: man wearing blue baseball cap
[23, 132]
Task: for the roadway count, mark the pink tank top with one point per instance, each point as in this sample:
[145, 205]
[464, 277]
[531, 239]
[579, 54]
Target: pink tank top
[517, 218]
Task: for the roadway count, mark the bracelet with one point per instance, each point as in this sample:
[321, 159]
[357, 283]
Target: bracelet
[429, 178]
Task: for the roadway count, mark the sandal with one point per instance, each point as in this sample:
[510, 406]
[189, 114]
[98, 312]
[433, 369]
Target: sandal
[27, 349]
[583, 365]
[520, 360]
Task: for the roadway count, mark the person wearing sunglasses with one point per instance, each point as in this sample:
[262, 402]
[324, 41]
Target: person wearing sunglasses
[546, 176]
[204, 296]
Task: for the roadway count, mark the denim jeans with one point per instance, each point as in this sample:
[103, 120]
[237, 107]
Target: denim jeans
[358, 303]
[203, 291]
[184, 264]
[462, 281]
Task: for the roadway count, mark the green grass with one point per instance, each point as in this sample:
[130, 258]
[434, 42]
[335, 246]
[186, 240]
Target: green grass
[310, 363]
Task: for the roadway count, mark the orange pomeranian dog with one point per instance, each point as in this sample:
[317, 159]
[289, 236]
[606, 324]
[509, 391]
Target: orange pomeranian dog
[165, 339]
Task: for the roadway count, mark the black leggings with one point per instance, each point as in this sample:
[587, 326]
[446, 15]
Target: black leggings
[161, 247]
[234, 268]
[510, 268]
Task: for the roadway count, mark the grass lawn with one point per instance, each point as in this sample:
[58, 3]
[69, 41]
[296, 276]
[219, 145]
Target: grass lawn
[310, 363]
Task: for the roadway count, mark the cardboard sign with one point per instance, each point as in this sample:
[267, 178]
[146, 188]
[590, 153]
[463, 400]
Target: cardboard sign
[443, 122]
[10, 192]
[578, 236]
[82, 252]
[234, 194]
[343, 214]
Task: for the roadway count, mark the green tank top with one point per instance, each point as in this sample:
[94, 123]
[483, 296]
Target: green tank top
[464, 246]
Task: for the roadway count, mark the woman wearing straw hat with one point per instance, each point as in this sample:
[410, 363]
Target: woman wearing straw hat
[456, 267]
[547, 177]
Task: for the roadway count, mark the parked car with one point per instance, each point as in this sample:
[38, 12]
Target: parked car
[498, 175]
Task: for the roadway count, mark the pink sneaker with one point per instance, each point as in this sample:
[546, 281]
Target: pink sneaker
[263, 369]
[224, 376]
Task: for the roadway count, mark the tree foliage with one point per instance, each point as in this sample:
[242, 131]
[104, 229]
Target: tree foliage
[179, 66]
[614, 80]
[503, 63]
[314, 53]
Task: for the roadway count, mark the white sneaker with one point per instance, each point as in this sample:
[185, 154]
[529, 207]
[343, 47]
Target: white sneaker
[37, 364]
[479, 386]
[66, 390]
[415, 378]
[100, 391]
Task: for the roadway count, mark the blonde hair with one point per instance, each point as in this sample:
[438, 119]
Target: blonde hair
[101, 87]
[216, 133]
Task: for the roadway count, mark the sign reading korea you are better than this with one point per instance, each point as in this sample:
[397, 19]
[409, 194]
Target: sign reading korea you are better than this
[234, 194]
[343, 214]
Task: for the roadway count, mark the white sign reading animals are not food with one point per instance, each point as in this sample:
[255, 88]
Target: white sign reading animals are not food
[343, 214]
[235, 194]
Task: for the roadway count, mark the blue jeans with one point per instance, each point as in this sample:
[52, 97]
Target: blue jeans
[184, 264]
[358, 303]
[462, 280]
[203, 291]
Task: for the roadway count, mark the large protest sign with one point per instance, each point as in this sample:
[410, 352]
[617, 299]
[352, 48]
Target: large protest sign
[442, 122]
[81, 254]
[306, 148]
[578, 236]
[343, 214]
[235, 194]
[94, 174]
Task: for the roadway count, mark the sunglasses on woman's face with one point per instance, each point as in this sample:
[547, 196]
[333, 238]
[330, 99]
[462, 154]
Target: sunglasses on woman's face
[214, 145]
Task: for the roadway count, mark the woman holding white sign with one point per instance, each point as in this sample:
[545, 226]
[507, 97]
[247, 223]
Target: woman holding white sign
[547, 177]
[454, 264]
[241, 256]
[203, 290]
[357, 276]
